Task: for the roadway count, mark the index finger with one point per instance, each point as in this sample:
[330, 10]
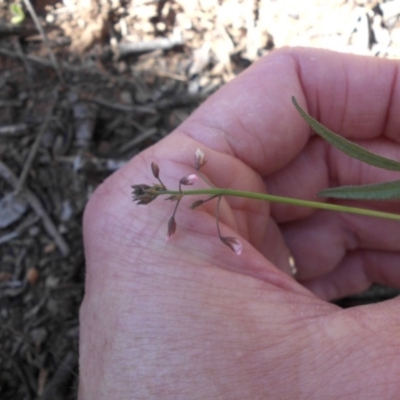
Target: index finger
[253, 118]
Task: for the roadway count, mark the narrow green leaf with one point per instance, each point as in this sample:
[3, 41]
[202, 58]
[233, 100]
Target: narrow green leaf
[375, 191]
[344, 145]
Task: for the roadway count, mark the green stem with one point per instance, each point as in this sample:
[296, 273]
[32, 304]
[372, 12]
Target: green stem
[280, 199]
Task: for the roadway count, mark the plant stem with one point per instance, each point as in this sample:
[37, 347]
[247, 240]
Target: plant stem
[281, 199]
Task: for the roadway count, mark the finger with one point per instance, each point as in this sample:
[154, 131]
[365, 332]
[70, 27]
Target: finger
[253, 118]
[356, 273]
[322, 242]
[320, 166]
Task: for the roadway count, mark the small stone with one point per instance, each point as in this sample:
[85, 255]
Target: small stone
[32, 276]
[38, 335]
[52, 282]
[49, 248]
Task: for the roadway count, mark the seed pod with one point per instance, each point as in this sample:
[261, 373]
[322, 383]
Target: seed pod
[171, 228]
[155, 169]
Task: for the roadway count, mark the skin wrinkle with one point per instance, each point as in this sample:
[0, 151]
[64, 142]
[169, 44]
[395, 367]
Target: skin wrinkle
[292, 181]
[356, 273]
[376, 274]
[343, 165]
[209, 130]
[345, 97]
[216, 253]
[389, 106]
[299, 73]
[350, 239]
[320, 100]
[368, 273]
[283, 108]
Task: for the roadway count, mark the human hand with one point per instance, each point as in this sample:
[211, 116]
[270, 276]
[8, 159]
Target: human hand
[189, 319]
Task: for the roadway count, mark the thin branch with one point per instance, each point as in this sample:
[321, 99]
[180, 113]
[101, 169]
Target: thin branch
[120, 107]
[35, 146]
[22, 377]
[61, 378]
[39, 27]
[20, 52]
[137, 140]
[14, 130]
[35, 203]
[46, 63]
[127, 48]
[89, 68]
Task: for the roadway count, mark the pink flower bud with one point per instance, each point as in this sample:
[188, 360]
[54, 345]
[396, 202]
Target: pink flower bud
[199, 159]
[233, 244]
[188, 180]
[171, 228]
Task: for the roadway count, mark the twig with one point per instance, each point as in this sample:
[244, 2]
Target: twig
[179, 101]
[35, 146]
[19, 372]
[87, 69]
[20, 52]
[46, 63]
[13, 130]
[8, 237]
[28, 222]
[137, 139]
[82, 163]
[124, 49]
[121, 107]
[47, 222]
[63, 374]
[35, 203]
[14, 30]
[10, 103]
[53, 59]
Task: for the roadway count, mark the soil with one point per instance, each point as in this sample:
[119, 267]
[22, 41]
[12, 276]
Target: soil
[85, 85]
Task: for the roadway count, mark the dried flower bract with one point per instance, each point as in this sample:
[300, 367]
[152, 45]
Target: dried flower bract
[196, 204]
[144, 194]
[199, 159]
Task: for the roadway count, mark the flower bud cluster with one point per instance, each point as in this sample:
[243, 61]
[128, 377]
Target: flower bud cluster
[145, 194]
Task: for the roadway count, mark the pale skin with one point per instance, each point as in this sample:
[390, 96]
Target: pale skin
[189, 319]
